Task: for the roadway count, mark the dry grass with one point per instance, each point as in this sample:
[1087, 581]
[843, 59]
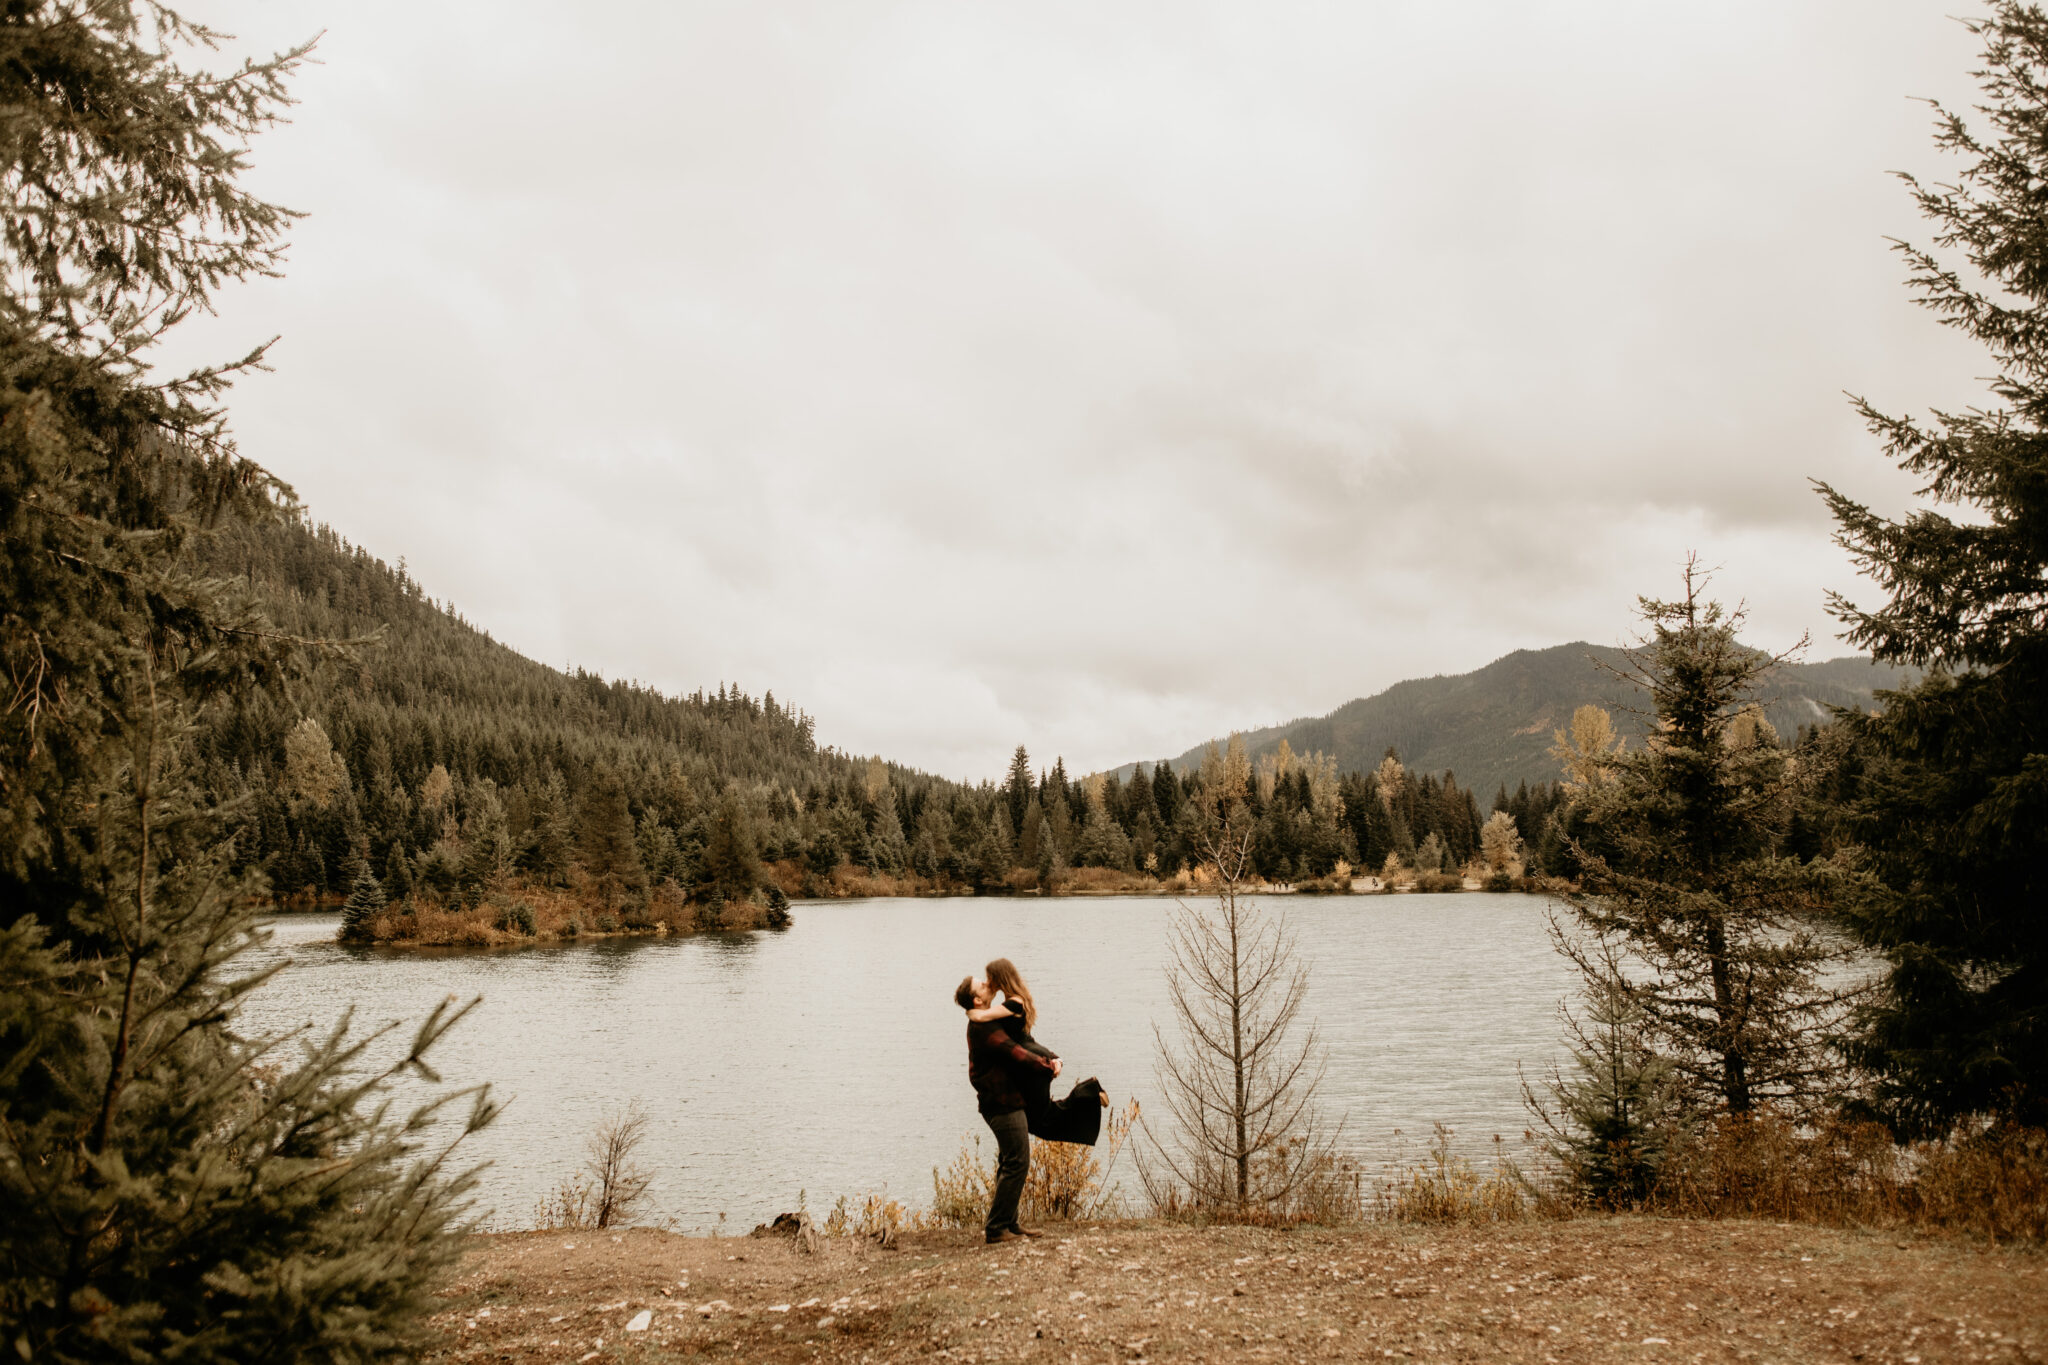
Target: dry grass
[1990, 1183]
[1326, 1191]
[876, 1218]
[1444, 1188]
[1066, 1181]
[1102, 881]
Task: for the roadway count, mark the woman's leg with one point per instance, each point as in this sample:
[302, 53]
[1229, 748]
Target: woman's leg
[1013, 1162]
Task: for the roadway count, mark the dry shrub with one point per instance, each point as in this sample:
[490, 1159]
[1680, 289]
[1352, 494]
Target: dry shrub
[1444, 1188]
[1990, 1182]
[1104, 881]
[567, 1207]
[1764, 1165]
[741, 915]
[1328, 1190]
[850, 881]
[1066, 1180]
[786, 875]
[612, 1187]
[1993, 1184]
[557, 914]
[878, 1218]
[1338, 883]
[1438, 882]
[961, 1193]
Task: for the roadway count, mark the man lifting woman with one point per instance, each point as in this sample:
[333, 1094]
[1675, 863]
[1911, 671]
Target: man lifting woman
[1012, 1074]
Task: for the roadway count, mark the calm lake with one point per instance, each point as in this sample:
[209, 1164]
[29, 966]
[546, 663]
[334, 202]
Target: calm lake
[830, 1059]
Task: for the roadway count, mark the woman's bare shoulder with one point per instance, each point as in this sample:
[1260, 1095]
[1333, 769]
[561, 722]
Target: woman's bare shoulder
[993, 1012]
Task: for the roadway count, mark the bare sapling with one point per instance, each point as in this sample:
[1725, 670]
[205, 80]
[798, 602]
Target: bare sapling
[612, 1187]
[1239, 1069]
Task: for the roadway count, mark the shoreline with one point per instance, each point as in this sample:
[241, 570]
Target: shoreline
[523, 917]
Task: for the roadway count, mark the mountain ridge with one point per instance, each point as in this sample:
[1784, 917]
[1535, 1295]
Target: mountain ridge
[1493, 726]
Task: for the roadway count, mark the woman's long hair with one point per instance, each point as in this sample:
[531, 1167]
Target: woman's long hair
[1004, 976]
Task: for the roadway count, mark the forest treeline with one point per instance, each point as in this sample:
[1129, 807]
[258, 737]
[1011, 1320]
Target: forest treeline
[439, 768]
[436, 764]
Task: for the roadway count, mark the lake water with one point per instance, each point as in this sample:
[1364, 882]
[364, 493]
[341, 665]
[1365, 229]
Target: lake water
[829, 1057]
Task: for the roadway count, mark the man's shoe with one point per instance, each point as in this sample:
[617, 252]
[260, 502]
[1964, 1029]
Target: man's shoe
[1027, 1232]
[1005, 1236]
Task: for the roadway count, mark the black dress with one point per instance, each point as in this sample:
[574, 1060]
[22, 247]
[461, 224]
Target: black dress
[1078, 1117]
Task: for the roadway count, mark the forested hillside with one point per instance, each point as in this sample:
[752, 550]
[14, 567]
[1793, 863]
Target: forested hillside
[441, 756]
[448, 768]
[1493, 727]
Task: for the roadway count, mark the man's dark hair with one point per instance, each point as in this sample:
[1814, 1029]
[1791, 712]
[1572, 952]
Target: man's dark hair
[963, 994]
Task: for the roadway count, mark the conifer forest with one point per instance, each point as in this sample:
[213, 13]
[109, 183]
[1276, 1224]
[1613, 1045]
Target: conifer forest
[446, 768]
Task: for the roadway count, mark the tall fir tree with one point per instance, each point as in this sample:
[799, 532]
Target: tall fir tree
[169, 1189]
[1952, 812]
[1018, 787]
[1692, 910]
[608, 850]
[732, 859]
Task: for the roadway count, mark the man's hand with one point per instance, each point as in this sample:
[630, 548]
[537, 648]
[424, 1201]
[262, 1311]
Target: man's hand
[1055, 1066]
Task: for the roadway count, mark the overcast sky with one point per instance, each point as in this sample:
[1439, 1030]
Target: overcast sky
[1099, 377]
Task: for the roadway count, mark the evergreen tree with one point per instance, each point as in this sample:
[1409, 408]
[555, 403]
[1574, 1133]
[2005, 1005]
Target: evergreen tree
[660, 855]
[1609, 1122]
[168, 1189]
[609, 853]
[1031, 836]
[732, 862]
[398, 873]
[1055, 837]
[546, 850]
[487, 850]
[365, 899]
[1693, 895]
[933, 844]
[1017, 787]
[1138, 802]
[1101, 842]
[1429, 854]
[1951, 808]
[888, 850]
[1166, 793]
[991, 855]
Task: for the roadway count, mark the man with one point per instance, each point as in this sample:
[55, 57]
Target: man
[994, 1063]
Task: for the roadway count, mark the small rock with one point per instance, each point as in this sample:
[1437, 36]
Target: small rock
[640, 1321]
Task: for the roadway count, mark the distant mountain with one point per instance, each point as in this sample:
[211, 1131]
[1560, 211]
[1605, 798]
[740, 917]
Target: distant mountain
[1494, 725]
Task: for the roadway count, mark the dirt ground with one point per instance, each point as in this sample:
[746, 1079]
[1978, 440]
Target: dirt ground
[1620, 1289]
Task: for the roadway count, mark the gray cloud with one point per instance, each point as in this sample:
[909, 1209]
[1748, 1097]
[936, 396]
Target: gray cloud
[1095, 377]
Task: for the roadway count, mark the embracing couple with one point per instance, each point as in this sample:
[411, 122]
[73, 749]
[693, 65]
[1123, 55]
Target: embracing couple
[1012, 1075]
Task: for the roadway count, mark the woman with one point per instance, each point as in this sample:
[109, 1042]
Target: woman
[1078, 1117]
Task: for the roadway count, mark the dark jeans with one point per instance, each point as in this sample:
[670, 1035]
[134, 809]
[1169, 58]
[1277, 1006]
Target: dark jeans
[1013, 1160]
